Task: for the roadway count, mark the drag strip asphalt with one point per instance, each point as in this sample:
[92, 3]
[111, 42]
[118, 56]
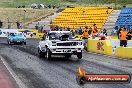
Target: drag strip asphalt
[37, 72]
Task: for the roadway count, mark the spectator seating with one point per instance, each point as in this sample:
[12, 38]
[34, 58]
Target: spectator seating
[125, 18]
[82, 16]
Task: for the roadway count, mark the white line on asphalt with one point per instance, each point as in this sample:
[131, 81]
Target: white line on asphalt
[18, 81]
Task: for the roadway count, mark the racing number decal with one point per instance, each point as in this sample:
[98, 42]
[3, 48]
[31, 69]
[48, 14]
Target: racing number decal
[100, 46]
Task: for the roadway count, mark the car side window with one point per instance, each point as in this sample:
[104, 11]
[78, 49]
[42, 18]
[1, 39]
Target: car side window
[12, 34]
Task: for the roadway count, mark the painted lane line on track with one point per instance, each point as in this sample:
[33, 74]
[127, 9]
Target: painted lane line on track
[18, 81]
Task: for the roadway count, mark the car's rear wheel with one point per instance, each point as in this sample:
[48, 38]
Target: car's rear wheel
[79, 55]
[48, 54]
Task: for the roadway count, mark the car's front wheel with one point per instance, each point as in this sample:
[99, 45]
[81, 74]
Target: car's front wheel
[24, 43]
[41, 54]
[9, 42]
[79, 55]
[48, 54]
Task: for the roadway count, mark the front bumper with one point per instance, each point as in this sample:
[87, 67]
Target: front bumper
[65, 51]
[70, 50]
[18, 41]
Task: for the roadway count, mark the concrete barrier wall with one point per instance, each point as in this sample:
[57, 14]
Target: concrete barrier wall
[4, 32]
[124, 52]
[99, 46]
[29, 33]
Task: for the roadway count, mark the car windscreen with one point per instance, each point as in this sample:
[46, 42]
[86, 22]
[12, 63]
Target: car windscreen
[53, 36]
[16, 34]
[12, 34]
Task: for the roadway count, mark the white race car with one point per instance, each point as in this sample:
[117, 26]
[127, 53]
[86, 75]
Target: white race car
[61, 43]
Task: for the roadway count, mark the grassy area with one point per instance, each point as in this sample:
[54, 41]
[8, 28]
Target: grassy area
[8, 10]
[63, 3]
[27, 3]
[13, 14]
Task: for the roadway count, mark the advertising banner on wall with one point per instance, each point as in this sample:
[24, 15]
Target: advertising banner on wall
[30, 33]
[5, 32]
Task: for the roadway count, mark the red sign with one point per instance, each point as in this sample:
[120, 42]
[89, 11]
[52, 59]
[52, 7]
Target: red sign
[100, 46]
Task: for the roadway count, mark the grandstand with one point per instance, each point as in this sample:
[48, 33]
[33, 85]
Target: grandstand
[125, 18]
[82, 16]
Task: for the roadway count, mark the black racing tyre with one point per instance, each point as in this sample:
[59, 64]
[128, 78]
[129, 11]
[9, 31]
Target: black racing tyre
[24, 43]
[41, 54]
[79, 55]
[48, 54]
[9, 43]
